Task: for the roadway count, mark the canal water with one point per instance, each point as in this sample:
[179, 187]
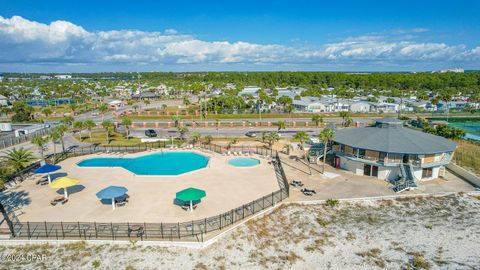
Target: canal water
[470, 125]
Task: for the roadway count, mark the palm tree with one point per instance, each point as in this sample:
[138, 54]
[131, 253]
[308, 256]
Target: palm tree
[345, 116]
[182, 131]
[208, 139]
[108, 126]
[317, 119]
[271, 138]
[281, 125]
[47, 112]
[103, 108]
[325, 136]
[54, 136]
[195, 136]
[289, 108]
[127, 122]
[287, 147]
[61, 130]
[40, 142]
[18, 158]
[231, 142]
[264, 136]
[78, 125]
[301, 136]
[68, 120]
[73, 108]
[89, 124]
[175, 120]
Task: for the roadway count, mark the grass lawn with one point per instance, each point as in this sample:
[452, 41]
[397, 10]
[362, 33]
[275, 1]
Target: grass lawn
[468, 155]
[248, 116]
[116, 139]
[284, 116]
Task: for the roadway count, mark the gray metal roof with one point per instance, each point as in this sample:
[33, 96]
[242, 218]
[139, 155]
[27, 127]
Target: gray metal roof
[389, 135]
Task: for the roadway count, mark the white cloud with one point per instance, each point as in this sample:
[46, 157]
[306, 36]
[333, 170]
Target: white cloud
[171, 32]
[61, 42]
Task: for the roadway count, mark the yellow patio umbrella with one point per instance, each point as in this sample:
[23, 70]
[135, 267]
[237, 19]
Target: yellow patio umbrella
[64, 182]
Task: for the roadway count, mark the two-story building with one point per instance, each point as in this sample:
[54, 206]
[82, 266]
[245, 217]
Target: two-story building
[390, 151]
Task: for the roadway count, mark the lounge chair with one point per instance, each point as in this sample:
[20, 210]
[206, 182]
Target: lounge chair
[138, 229]
[42, 181]
[308, 192]
[121, 202]
[58, 199]
[186, 207]
[296, 183]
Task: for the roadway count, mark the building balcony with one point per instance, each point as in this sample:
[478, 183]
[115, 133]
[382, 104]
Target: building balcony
[389, 162]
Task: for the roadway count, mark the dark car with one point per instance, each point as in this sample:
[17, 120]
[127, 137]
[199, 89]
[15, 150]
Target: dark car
[251, 134]
[150, 133]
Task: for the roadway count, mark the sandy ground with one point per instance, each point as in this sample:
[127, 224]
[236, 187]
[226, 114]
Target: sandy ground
[151, 197]
[430, 233]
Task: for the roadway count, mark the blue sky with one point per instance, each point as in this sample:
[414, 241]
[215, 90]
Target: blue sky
[61, 36]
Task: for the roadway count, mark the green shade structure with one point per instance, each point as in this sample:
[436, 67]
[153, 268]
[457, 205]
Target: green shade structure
[190, 195]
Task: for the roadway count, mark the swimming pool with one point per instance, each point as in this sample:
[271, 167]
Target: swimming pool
[168, 163]
[244, 162]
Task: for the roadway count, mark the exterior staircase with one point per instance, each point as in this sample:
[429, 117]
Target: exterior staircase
[407, 181]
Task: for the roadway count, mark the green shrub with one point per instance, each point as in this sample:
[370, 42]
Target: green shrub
[96, 264]
[420, 263]
[332, 202]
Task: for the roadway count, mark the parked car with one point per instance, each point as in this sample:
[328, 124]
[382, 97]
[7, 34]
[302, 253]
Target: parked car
[150, 133]
[251, 134]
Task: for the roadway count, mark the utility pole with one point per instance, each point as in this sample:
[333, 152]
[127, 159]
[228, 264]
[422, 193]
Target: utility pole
[401, 104]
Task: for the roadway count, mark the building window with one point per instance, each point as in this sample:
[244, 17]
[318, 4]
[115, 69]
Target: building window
[427, 173]
[361, 153]
[342, 148]
[382, 156]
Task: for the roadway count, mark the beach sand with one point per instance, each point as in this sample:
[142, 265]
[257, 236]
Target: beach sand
[431, 232]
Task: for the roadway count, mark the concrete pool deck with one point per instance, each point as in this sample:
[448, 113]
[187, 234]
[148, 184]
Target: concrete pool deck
[151, 198]
[341, 184]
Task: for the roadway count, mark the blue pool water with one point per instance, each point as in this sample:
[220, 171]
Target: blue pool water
[169, 163]
[243, 162]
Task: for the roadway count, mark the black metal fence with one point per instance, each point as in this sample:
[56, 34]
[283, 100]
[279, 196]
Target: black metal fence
[184, 231]
[92, 149]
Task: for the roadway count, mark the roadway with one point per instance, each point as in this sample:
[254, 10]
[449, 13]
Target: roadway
[225, 132]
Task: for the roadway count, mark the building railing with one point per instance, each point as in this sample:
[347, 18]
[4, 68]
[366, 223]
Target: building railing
[395, 161]
[181, 231]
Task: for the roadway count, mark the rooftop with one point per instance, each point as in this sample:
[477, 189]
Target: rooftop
[389, 135]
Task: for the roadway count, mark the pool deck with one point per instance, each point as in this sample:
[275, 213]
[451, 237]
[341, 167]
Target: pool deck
[151, 198]
[342, 184]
